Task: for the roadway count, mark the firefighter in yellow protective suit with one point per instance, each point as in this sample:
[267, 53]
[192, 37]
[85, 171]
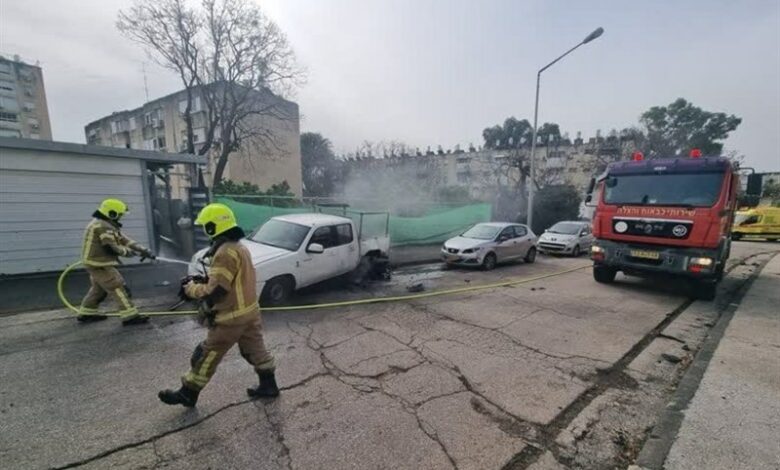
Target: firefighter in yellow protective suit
[230, 296]
[103, 244]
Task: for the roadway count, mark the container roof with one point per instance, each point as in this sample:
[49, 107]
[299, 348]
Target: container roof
[96, 150]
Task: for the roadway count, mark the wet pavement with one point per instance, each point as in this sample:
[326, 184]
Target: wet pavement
[559, 372]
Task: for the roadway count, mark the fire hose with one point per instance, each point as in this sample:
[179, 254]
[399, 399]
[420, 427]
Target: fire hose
[370, 300]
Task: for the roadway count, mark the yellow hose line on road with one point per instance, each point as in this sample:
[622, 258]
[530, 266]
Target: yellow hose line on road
[373, 300]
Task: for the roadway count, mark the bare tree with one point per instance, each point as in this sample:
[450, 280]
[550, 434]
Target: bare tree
[229, 55]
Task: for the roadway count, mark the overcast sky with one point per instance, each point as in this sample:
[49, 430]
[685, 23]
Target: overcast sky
[430, 72]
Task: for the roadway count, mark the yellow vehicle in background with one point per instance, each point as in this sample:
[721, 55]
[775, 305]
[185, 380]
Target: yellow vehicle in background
[758, 222]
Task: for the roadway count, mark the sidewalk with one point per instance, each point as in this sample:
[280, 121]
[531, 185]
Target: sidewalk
[733, 420]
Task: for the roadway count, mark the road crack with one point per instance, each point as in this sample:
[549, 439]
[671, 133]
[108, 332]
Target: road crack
[613, 377]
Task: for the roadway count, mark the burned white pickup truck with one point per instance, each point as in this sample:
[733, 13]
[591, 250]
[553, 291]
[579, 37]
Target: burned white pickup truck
[293, 251]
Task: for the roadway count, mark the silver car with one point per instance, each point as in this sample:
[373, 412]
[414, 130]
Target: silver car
[568, 237]
[488, 244]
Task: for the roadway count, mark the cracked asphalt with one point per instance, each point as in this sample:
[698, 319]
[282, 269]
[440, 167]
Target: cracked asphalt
[500, 378]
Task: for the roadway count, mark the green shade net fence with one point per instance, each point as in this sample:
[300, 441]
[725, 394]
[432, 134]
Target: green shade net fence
[435, 226]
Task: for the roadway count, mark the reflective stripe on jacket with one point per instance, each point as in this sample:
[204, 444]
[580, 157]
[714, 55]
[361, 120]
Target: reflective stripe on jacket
[232, 270]
[104, 244]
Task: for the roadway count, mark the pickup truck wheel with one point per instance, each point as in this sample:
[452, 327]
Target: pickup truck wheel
[604, 274]
[276, 291]
[530, 256]
[705, 290]
[489, 262]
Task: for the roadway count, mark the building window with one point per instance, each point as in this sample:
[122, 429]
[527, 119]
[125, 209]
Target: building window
[9, 104]
[195, 105]
[5, 85]
[35, 136]
[29, 106]
[5, 68]
[159, 143]
[33, 122]
[9, 133]
[463, 177]
[199, 135]
[9, 117]
[132, 123]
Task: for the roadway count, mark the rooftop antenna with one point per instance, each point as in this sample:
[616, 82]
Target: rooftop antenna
[146, 85]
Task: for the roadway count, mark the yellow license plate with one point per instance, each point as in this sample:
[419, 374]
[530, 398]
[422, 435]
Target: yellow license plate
[645, 254]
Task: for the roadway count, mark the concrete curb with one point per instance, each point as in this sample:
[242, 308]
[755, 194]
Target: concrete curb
[658, 445]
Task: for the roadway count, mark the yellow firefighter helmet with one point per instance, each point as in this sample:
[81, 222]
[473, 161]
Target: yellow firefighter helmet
[216, 219]
[114, 209]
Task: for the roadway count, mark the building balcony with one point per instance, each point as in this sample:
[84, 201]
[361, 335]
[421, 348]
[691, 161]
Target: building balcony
[10, 125]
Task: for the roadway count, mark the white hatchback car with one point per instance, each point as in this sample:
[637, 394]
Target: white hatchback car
[568, 237]
[488, 244]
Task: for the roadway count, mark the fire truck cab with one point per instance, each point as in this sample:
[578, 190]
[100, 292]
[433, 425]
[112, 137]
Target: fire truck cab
[665, 217]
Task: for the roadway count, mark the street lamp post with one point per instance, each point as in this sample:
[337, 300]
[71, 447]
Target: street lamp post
[529, 218]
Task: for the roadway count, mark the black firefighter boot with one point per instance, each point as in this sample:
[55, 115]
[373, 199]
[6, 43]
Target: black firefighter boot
[183, 396]
[267, 387]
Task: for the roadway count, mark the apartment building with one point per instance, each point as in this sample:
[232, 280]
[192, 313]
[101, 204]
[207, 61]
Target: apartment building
[159, 125]
[23, 108]
[483, 172]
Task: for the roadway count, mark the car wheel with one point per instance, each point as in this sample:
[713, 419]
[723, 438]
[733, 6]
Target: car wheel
[603, 274]
[489, 262]
[276, 291]
[576, 252]
[530, 256]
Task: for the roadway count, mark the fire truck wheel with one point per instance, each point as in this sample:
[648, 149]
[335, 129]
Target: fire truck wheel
[604, 274]
[705, 290]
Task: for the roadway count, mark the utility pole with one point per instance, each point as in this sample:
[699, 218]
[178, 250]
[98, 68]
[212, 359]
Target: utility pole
[529, 220]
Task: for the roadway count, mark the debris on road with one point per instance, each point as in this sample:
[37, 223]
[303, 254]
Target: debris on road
[673, 358]
[419, 287]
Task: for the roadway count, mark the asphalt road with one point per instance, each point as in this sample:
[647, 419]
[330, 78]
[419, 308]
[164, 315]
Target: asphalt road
[527, 376]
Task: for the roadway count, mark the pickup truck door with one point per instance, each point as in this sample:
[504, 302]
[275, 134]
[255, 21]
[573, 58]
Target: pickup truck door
[340, 253]
[316, 267]
[346, 248]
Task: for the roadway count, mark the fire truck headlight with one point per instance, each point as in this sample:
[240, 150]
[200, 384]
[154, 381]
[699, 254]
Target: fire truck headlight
[702, 261]
[596, 249]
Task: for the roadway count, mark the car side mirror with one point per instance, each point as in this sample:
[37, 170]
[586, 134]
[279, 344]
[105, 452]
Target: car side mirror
[315, 248]
[503, 238]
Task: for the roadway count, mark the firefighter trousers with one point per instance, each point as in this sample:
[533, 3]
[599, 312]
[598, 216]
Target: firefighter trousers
[104, 282]
[207, 355]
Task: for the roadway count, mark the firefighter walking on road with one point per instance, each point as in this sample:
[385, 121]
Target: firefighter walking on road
[229, 295]
[103, 244]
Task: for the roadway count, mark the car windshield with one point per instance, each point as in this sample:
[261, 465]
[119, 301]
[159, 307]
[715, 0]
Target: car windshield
[482, 232]
[565, 228]
[281, 234]
[684, 189]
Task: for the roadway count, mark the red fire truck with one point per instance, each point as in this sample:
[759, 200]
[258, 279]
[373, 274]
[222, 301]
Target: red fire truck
[667, 217]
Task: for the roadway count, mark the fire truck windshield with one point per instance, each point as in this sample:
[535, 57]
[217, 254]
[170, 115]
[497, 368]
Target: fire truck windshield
[677, 189]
